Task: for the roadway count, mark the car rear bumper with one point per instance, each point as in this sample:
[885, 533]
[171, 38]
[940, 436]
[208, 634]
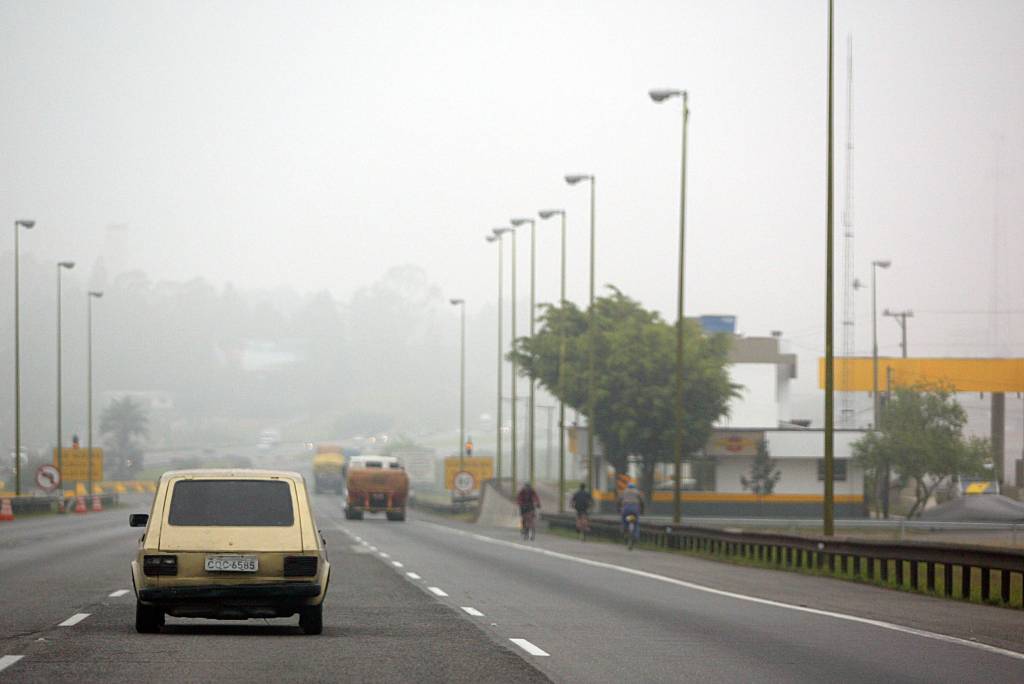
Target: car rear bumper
[278, 592]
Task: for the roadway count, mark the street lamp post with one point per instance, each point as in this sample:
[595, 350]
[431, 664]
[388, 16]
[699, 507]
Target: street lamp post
[93, 294]
[546, 214]
[828, 502]
[677, 498]
[515, 373]
[27, 224]
[61, 265]
[573, 179]
[461, 303]
[533, 306]
[876, 403]
[498, 234]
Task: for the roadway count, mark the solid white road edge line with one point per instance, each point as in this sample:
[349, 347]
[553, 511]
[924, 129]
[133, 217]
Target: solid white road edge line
[437, 591]
[116, 594]
[74, 619]
[740, 597]
[472, 611]
[529, 648]
[8, 660]
[412, 575]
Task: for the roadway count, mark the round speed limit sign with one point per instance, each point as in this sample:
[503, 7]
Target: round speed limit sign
[47, 477]
[464, 482]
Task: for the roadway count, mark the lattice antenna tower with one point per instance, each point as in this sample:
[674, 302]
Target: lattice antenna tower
[847, 415]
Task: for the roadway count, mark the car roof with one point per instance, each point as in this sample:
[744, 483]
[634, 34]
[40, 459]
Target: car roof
[232, 473]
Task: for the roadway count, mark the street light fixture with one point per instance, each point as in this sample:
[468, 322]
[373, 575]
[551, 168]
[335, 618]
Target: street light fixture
[61, 265]
[573, 179]
[27, 224]
[664, 95]
[546, 214]
[533, 305]
[495, 236]
[93, 294]
[461, 303]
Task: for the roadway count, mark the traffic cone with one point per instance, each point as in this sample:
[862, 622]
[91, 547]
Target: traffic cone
[80, 505]
[97, 505]
[6, 512]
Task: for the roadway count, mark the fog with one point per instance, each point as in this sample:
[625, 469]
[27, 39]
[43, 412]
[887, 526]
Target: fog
[279, 198]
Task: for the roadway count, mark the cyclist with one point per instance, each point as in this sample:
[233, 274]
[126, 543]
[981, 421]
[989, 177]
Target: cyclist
[581, 502]
[528, 503]
[631, 502]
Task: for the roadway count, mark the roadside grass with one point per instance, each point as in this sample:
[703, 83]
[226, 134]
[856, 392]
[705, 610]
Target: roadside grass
[804, 565]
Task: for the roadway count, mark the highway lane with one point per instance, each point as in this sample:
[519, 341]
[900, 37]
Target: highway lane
[598, 623]
[379, 627]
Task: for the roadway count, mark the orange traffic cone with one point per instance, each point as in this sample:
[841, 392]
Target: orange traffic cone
[80, 505]
[6, 512]
[97, 505]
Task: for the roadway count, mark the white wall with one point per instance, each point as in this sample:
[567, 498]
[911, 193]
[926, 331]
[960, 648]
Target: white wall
[799, 476]
[757, 406]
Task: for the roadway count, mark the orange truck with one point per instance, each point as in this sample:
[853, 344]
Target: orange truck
[376, 484]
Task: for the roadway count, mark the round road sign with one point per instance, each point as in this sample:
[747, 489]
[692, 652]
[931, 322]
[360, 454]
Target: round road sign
[464, 482]
[47, 477]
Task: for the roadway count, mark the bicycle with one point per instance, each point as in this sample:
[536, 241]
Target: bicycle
[528, 530]
[582, 524]
[631, 530]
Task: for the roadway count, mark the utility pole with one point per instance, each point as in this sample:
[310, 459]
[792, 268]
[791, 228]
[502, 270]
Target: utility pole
[829, 499]
[901, 319]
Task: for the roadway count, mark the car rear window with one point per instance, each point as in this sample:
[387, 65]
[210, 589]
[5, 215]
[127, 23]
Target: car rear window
[231, 503]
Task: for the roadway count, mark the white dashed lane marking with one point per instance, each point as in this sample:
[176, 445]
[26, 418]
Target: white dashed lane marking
[74, 620]
[397, 564]
[8, 660]
[437, 591]
[118, 593]
[529, 648]
[472, 611]
[412, 575]
[385, 555]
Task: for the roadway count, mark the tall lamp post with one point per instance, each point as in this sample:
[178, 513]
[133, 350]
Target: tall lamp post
[61, 265]
[27, 224]
[515, 378]
[546, 214]
[828, 502]
[93, 294]
[677, 498]
[461, 303]
[533, 306]
[573, 179]
[876, 403]
[498, 234]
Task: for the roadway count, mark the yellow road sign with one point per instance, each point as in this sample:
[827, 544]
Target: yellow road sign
[479, 467]
[76, 464]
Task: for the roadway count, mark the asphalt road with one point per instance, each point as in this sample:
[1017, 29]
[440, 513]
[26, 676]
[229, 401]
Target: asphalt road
[479, 606]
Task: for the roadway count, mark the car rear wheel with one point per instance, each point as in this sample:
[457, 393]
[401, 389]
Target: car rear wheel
[311, 619]
[148, 619]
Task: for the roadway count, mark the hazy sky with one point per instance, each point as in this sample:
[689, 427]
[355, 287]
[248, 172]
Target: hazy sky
[316, 144]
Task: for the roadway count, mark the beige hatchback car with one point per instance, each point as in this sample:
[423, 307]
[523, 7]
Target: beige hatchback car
[230, 545]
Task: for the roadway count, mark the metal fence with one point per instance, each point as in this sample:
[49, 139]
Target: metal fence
[950, 570]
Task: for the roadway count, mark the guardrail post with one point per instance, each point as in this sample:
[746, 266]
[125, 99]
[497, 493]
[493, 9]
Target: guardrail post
[947, 579]
[1004, 586]
[899, 571]
[883, 570]
[930, 576]
[965, 582]
[986, 584]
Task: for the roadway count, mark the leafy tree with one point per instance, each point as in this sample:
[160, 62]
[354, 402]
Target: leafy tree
[763, 473]
[124, 421]
[634, 372]
[921, 439]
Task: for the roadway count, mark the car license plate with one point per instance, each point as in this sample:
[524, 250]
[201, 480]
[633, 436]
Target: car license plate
[232, 564]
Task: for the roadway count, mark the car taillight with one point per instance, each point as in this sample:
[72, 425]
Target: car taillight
[300, 566]
[159, 565]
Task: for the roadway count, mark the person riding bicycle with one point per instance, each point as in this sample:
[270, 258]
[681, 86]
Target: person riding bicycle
[528, 503]
[581, 502]
[631, 502]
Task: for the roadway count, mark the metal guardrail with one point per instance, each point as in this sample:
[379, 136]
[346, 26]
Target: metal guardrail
[48, 504]
[950, 570]
[847, 523]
